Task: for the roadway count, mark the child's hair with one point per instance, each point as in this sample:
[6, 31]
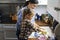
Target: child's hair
[27, 12]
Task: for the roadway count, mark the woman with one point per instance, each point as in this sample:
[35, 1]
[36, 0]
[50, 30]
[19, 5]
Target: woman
[31, 4]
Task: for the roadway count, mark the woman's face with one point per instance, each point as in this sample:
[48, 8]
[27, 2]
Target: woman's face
[33, 6]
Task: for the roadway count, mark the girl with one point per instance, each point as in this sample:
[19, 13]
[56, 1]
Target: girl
[26, 27]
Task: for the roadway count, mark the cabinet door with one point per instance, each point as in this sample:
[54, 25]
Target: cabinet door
[10, 32]
[1, 35]
[1, 32]
[42, 2]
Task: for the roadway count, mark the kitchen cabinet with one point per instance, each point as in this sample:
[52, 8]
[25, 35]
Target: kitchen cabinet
[51, 9]
[42, 2]
[1, 32]
[8, 32]
[2, 35]
[12, 1]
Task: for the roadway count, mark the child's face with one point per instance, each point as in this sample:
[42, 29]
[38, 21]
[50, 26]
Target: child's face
[29, 17]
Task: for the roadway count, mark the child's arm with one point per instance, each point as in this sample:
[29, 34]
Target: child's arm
[36, 26]
[34, 29]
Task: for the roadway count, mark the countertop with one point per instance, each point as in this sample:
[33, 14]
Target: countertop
[47, 29]
[40, 23]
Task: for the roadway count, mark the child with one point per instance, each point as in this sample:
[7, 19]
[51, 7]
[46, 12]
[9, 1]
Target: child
[26, 26]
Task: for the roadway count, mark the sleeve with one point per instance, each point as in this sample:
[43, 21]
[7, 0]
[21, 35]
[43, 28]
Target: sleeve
[19, 19]
[19, 16]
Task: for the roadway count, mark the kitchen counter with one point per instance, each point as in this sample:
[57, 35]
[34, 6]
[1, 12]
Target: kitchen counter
[47, 29]
[40, 23]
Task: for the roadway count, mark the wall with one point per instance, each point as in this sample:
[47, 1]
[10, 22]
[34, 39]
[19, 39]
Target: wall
[51, 6]
[41, 9]
[58, 16]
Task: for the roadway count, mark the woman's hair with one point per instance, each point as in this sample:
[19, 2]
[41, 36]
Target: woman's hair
[31, 1]
[26, 3]
[27, 12]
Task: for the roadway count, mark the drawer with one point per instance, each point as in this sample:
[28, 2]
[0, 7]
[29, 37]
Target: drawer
[10, 33]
